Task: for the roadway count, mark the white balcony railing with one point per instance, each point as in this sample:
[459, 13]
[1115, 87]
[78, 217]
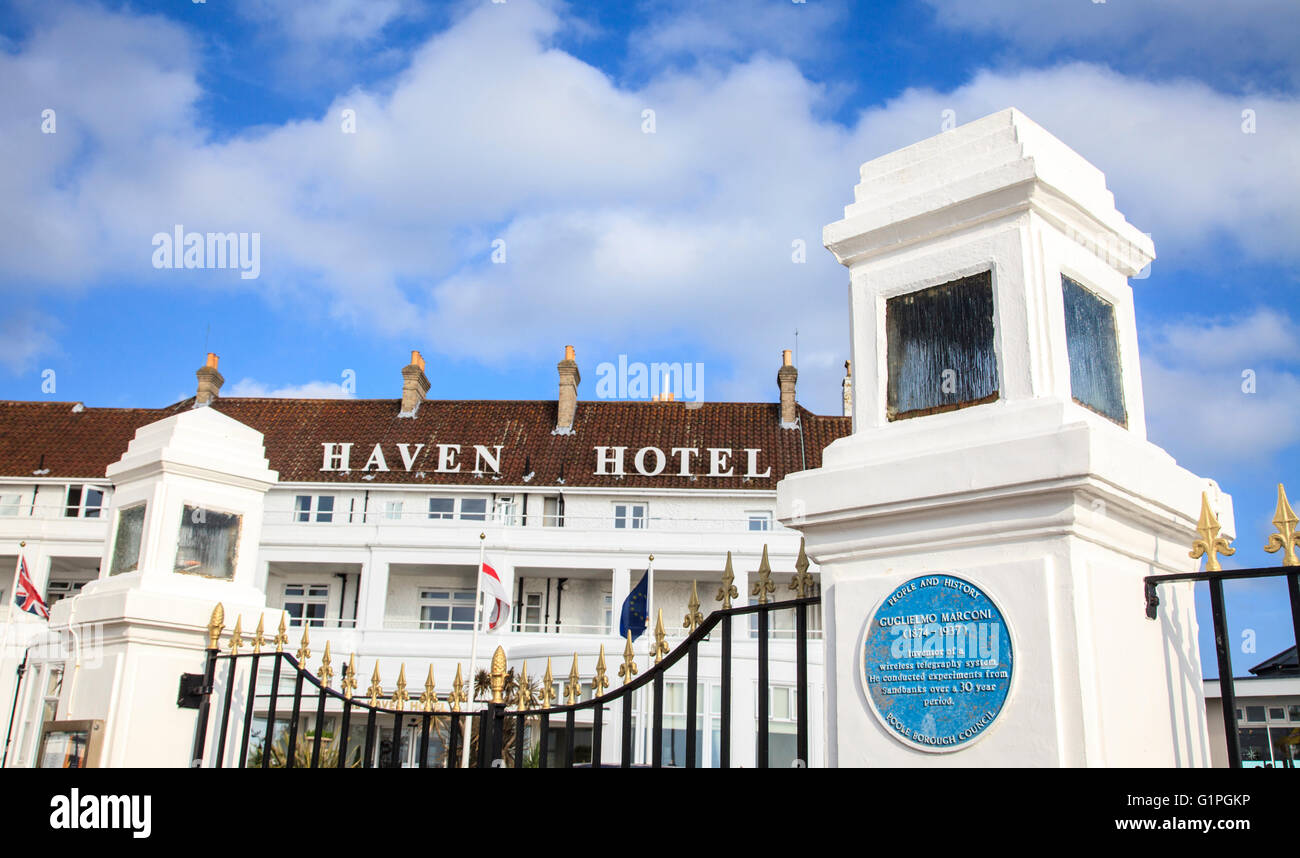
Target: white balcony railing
[628, 524]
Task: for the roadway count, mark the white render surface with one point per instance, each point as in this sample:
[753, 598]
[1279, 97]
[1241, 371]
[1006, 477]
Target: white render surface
[1053, 510]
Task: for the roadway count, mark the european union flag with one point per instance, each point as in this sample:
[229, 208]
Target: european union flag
[635, 610]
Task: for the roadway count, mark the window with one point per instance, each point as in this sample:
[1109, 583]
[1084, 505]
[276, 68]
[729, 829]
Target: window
[84, 502]
[629, 515]
[321, 507]
[208, 544]
[447, 609]
[760, 520]
[10, 504]
[1095, 379]
[306, 603]
[532, 617]
[1293, 712]
[1276, 713]
[126, 545]
[442, 507]
[473, 509]
[1255, 713]
[507, 510]
[57, 590]
[674, 734]
[553, 512]
[940, 348]
[782, 727]
[393, 510]
[609, 613]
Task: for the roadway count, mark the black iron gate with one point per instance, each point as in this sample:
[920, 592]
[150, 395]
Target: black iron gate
[1211, 545]
[515, 726]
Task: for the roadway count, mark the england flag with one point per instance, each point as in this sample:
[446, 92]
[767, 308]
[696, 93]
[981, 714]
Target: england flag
[496, 591]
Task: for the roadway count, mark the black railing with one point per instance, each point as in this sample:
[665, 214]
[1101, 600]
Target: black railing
[1222, 644]
[502, 731]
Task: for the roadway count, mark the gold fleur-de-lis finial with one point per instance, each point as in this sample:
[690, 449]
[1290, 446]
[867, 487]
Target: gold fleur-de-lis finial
[498, 675]
[259, 636]
[1287, 538]
[728, 590]
[376, 690]
[458, 695]
[349, 683]
[573, 688]
[1210, 545]
[547, 692]
[216, 623]
[764, 584]
[282, 636]
[600, 681]
[237, 635]
[693, 615]
[399, 695]
[627, 669]
[802, 581]
[304, 649]
[659, 648]
[525, 696]
[429, 699]
[326, 671]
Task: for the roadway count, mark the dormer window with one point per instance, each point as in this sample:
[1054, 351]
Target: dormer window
[1093, 344]
[940, 348]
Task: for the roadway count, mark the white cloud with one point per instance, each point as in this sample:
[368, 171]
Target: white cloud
[327, 21]
[310, 390]
[1250, 42]
[25, 335]
[675, 244]
[1223, 394]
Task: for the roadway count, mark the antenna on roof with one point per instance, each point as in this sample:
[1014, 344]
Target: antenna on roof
[796, 346]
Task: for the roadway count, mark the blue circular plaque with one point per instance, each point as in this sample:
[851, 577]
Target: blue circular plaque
[937, 662]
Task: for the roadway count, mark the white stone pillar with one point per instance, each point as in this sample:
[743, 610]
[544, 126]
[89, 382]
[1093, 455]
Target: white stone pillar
[982, 562]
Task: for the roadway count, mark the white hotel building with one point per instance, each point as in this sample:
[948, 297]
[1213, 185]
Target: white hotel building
[370, 535]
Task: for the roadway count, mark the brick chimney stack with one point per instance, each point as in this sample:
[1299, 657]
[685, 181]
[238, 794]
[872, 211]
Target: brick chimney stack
[415, 385]
[786, 377]
[848, 388]
[210, 381]
[570, 378]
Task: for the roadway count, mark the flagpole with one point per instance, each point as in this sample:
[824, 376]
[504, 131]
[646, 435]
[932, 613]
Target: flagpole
[473, 650]
[13, 600]
[650, 631]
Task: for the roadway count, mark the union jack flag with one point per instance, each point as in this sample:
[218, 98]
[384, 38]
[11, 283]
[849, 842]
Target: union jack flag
[25, 595]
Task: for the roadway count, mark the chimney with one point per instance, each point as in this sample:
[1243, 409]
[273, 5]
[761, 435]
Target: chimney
[210, 381]
[415, 384]
[848, 388]
[570, 378]
[786, 376]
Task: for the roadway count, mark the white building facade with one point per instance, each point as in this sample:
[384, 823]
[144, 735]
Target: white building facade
[370, 536]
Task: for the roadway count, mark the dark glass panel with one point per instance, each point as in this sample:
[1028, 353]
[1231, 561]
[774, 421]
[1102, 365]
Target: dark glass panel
[1095, 378]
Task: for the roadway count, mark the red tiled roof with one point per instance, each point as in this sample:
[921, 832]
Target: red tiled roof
[82, 444]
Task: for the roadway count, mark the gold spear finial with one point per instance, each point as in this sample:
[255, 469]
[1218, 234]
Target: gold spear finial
[349, 683]
[326, 671]
[399, 695]
[429, 699]
[525, 697]
[237, 635]
[659, 648]
[1287, 538]
[498, 675]
[1210, 545]
[304, 648]
[547, 692]
[376, 690]
[458, 695]
[728, 590]
[627, 669]
[573, 688]
[259, 636]
[282, 636]
[599, 682]
[764, 584]
[216, 623]
[693, 615]
[802, 581]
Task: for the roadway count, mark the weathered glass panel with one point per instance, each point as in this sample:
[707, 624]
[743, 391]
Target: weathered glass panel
[940, 348]
[209, 543]
[1090, 336]
[126, 548]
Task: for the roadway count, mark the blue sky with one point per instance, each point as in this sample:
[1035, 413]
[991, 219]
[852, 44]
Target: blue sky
[523, 121]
